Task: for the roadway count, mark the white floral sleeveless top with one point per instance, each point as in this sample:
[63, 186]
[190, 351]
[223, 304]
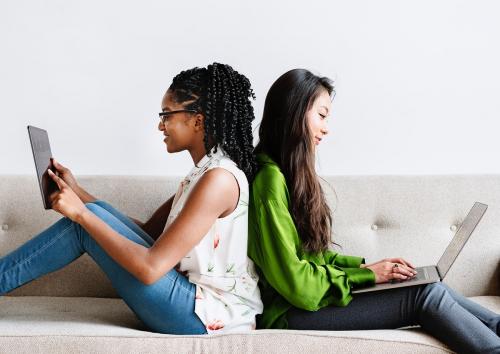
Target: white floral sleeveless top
[227, 296]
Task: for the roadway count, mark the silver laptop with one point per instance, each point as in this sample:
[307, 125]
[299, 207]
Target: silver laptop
[433, 274]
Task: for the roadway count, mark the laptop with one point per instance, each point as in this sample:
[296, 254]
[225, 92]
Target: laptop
[41, 154]
[436, 273]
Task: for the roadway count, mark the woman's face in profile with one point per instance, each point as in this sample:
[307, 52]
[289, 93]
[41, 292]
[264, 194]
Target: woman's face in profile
[177, 128]
[317, 116]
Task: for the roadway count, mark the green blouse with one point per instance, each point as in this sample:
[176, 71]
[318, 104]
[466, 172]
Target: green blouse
[288, 276]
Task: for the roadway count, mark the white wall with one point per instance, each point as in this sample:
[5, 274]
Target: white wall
[418, 82]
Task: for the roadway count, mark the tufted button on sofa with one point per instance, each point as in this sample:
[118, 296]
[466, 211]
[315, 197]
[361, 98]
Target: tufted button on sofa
[76, 309]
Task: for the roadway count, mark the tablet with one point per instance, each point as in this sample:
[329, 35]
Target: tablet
[41, 154]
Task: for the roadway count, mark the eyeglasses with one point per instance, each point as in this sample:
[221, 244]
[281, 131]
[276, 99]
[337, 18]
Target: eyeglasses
[164, 115]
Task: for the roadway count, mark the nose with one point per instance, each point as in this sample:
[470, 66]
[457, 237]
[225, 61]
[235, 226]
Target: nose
[161, 126]
[325, 130]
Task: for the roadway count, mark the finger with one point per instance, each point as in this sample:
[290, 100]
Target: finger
[53, 163]
[395, 260]
[411, 272]
[60, 182]
[55, 200]
[399, 276]
[404, 270]
[56, 164]
[54, 177]
[402, 261]
[388, 265]
[408, 264]
[401, 268]
[53, 197]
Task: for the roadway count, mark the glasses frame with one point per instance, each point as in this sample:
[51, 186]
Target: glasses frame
[164, 115]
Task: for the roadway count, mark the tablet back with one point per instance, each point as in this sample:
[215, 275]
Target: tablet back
[41, 153]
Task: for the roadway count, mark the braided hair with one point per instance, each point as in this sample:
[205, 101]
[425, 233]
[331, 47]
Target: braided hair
[223, 96]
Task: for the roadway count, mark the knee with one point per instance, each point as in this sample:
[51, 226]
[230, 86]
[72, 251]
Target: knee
[93, 207]
[434, 289]
[98, 202]
[81, 233]
[96, 210]
[433, 295]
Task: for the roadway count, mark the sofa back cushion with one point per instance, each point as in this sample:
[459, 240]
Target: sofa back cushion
[376, 217]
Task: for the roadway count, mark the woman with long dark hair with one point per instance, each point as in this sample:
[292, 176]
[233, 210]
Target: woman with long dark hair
[306, 285]
[185, 270]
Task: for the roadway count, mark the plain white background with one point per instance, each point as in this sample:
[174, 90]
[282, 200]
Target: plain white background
[418, 83]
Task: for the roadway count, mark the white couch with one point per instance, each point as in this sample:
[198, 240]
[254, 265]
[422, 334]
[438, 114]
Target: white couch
[76, 309]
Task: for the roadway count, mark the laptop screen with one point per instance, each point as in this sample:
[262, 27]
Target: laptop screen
[460, 238]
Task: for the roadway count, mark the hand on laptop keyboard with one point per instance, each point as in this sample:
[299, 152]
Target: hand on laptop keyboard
[390, 269]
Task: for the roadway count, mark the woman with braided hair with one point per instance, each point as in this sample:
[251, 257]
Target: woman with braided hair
[185, 270]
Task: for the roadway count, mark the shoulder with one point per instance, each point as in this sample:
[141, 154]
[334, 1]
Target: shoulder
[218, 179]
[215, 191]
[230, 168]
[269, 183]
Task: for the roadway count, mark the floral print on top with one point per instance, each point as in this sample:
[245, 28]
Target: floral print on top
[227, 296]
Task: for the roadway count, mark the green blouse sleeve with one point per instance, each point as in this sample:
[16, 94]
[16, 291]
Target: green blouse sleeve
[342, 260]
[303, 283]
[351, 265]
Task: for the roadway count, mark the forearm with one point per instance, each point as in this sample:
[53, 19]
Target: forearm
[84, 195]
[130, 255]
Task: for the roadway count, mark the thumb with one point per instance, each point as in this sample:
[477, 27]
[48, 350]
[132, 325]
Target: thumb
[56, 164]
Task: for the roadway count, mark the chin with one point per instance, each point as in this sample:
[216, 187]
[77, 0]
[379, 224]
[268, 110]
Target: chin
[173, 149]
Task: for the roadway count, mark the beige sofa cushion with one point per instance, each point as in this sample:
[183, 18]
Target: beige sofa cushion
[375, 217]
[75, 324]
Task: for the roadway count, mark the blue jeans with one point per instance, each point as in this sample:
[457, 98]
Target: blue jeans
[167, 306]
[465, 326]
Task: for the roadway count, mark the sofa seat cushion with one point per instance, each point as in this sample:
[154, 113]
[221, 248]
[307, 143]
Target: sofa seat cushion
[83, 324]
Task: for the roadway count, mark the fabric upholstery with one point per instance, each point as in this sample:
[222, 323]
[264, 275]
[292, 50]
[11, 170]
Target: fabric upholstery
[74, 309]
[83, 324]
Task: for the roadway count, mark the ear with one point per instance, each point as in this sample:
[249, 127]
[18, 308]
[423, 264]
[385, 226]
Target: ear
[199, 122]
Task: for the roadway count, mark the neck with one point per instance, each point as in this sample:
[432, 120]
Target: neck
[197, 153]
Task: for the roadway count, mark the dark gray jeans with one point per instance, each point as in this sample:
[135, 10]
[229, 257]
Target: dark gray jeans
[463, 325]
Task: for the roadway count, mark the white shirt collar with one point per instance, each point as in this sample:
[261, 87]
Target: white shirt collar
[205, 162]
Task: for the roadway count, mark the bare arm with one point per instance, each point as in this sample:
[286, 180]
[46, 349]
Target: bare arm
[154, 226]
[84, 195]
[67, 176]
[215, 195]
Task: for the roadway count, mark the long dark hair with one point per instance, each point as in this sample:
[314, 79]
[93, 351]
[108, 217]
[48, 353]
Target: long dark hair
[285, 136]
[223, 96]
